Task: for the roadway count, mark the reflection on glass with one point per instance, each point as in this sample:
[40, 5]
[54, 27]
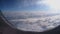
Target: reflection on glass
[32, 15]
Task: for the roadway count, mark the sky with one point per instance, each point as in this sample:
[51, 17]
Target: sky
[29, 5]
[18, 5]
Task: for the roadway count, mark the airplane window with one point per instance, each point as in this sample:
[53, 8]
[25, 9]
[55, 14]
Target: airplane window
[32, 15]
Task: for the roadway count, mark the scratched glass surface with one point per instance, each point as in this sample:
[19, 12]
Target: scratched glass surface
[32, 15]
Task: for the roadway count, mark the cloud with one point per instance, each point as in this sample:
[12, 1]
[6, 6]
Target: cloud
[28, 14]
[33, 21]
[36, 24]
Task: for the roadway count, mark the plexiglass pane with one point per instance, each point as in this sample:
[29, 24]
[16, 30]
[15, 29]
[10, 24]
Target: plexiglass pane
[32, 15]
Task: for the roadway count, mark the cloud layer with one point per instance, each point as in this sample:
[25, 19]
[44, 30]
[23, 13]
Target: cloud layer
[33, 21]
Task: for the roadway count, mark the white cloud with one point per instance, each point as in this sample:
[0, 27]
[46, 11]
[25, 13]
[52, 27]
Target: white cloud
[33, 21]
[37, 24]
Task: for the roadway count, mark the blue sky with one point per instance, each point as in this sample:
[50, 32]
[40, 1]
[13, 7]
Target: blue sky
[20, 5]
